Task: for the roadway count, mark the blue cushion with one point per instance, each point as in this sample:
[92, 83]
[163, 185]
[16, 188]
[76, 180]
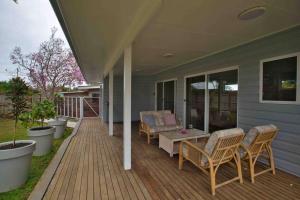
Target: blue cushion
[149, 120]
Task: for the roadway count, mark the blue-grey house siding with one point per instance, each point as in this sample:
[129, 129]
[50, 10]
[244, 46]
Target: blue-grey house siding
[142, 97]
[250, 111]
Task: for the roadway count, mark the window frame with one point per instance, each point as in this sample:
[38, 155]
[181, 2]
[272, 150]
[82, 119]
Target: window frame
[175, 92]
[297, 102]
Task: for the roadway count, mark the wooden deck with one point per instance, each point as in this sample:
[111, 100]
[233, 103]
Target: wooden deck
[92, 169]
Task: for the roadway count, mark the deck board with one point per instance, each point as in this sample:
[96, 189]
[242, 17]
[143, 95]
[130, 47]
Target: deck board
[92, 169]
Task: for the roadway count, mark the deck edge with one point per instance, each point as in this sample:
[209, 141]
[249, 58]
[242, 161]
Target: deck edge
[43, 183]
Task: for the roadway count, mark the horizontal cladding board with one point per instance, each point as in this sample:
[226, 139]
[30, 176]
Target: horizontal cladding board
[293, 118]
[280, 108]
[286, 127]
[286, 146]
[288, 167]
[287, 156]
[291, 138]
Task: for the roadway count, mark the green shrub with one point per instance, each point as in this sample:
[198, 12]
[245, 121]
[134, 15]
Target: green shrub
[43, 110]
[16, 92]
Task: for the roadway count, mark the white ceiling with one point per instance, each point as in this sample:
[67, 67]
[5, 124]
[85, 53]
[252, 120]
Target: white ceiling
[190, 29]
[196, 28]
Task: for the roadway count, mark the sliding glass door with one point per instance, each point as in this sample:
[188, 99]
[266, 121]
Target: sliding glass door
[195, 102]
[159, 96]
[223, 90]
[211, 101]
[165, 95]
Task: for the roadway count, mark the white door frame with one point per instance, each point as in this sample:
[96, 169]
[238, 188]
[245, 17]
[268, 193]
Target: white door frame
[206, 109]
[175, 91]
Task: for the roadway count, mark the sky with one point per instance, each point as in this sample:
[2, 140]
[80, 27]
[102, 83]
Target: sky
[25, 24]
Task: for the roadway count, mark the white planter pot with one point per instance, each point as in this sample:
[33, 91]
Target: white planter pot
[60, 127]
[63, 118]
[43, 137]
[15, 164]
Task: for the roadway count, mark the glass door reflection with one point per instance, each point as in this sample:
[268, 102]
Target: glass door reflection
[195, 102]
[223, 90]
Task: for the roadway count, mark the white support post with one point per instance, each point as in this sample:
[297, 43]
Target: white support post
[111, 103]
[127, 109]
[81, 107]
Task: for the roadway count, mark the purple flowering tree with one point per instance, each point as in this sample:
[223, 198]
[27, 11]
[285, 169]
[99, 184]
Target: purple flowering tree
[52, 67]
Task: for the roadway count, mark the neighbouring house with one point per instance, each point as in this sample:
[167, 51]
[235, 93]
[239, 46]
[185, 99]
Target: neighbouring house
[90, 97]
[215, 64]
[84, 91]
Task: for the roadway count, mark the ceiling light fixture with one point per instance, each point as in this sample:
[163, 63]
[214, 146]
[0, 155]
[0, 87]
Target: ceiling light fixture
[168, 55]
[252, 13]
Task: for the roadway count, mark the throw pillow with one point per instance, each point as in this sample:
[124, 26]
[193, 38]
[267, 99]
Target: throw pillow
[149, 120]
[170, 120]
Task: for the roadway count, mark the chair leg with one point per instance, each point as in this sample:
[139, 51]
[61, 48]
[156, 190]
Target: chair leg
[148, 138]
[271, 160]
[212, 180]
[180, 162]
[251, 169]
[239, 168]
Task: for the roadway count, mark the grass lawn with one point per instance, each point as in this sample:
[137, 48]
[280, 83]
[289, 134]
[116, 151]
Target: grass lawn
[38, 165]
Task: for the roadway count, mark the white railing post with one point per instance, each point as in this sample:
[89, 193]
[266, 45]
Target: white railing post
[57, 108]
[68, 106]
[81, 107]
[60, 107]
[76, 115]
[64, 106]
[72, 108]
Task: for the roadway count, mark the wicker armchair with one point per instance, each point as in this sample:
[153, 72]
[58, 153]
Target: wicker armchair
[220, 148]
[257, 143]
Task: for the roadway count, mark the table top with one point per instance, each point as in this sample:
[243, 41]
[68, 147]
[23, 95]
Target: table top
[177, 135]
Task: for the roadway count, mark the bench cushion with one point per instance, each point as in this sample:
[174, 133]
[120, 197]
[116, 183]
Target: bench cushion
[158, 116]
[213, 139]
[252, 133]
[149, 120]
[159, 129]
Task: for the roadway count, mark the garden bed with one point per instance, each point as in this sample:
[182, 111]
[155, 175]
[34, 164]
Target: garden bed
[39, 164]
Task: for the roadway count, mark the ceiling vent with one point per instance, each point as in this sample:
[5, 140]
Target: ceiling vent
[252, 13]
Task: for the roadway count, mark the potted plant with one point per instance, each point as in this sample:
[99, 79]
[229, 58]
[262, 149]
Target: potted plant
[60, 125]
[16, 155]
[43, 135]
[60, 122]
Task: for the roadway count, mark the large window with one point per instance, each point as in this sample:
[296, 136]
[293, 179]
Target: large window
[280, 80]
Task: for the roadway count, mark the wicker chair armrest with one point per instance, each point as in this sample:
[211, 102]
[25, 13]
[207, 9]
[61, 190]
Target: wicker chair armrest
[144, 126]
[198, 149]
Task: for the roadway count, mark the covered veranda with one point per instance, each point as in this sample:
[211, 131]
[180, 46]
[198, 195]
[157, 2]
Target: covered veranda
[134, 46]
[91, 168]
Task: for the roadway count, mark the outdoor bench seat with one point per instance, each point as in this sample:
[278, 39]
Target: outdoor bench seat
[156, 123]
